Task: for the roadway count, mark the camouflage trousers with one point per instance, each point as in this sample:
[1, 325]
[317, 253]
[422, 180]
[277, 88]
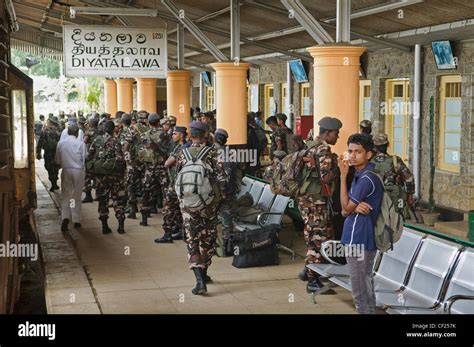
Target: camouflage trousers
[88, 183]
[172, 218]
[154, 177]
[51, 167]
[317, 228]
[227, 215]
[111, 187]
[201, 235]
[134, 181]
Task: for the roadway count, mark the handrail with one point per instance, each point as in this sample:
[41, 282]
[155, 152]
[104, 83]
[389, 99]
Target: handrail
[440, 235]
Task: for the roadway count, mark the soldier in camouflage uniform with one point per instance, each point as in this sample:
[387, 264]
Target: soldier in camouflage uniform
[130, 139]
[319, 173]
[155, 175]
[365, 127]
[234, 174]
[171, 211]
[273, 125]
[201, 226]
[110, 186]
[90, 134]
[397, 177]
[282, 134]
[62, 120]
[48, 141]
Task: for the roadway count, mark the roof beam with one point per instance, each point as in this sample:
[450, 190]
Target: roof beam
[221, 33]
[194, 29]
[307, 21]
[326, 23]
[59, 15]
[258, 44]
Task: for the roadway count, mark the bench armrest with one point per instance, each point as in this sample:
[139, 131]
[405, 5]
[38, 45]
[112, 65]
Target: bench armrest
[324, 253]
[261, 215]
[448, 303]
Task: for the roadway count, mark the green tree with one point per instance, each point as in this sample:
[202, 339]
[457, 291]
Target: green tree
[45, 67]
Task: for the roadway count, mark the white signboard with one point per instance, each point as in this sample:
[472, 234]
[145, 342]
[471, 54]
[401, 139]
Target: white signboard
[108, 51]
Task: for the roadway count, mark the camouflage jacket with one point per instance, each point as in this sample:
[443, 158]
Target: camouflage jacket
[319, 178]
[48, 140]
[394, 175]
[111, 149]
[281, 137]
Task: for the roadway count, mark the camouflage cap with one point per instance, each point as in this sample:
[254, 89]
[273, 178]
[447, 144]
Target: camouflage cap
[365, 123]
[54, 120]
[279, 154]
[153, 117]
[380, 139]
[222, 132]
[165, 120]
[172, 119]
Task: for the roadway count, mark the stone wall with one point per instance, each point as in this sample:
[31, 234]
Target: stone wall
[452, 190]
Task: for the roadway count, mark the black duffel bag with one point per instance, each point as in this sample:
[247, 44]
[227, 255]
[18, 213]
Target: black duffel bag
[257, 247]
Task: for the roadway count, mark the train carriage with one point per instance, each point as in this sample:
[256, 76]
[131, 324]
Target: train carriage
[17, 173]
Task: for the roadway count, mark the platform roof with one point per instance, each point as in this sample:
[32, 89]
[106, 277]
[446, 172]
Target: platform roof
[266, 22]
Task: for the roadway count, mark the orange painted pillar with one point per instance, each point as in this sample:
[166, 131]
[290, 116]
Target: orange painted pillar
[178, 95]
[231, 100]
[336, 88]
[110, 96]
[146, 94]
[124, 95]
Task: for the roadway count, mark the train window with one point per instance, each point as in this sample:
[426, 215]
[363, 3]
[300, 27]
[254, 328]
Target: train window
[20, 133]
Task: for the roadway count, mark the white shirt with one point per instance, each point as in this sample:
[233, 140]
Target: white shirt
[71, 153]
[64, 135]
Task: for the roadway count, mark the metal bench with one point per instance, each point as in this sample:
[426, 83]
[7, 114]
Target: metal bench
[273, 205]
[391, 269]
[430, 274]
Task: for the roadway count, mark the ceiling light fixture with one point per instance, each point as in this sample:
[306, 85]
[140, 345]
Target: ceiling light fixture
[112, 11]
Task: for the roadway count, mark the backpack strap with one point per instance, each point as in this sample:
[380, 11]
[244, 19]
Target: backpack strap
[187, 155]
[204, 151]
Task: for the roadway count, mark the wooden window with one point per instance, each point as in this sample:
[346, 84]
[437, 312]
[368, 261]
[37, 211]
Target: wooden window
[396, 112]
[270, 106]
[365, 105]
[209, 98]
[306, 109]
[450, 119]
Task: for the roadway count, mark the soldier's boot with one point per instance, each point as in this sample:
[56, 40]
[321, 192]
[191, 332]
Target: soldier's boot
[177, 234]
[144, 221]
[133, 211]
[207, 278]
[105, 226]
[166, 238]
[54, 186]
[200, 282]
[88, 198]
[303, 275]
[121, 228]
